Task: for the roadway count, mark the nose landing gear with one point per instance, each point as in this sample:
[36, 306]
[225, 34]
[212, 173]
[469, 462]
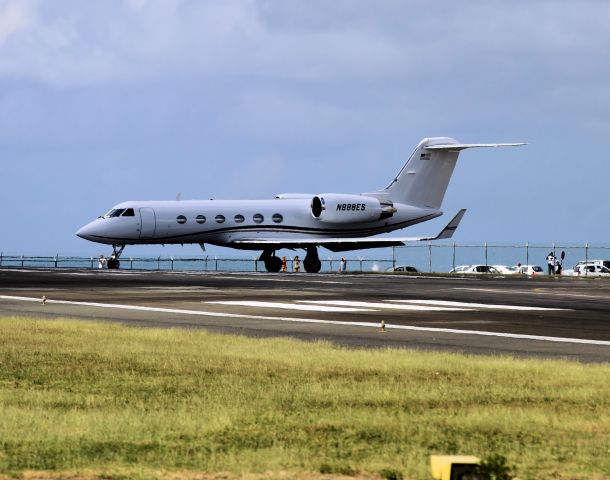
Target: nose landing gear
[113, 261]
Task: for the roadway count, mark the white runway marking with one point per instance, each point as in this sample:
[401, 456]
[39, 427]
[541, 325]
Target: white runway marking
[289, 306]
[312, 320]
[269, 279]
[477, 305]
[225, 275]
[391, 306]
[602, 296]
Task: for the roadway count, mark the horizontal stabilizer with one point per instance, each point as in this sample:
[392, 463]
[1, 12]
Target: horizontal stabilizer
[456, 147]
[451, 227]
[345, 244]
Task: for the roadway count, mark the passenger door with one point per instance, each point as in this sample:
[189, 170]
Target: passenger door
[148, 223]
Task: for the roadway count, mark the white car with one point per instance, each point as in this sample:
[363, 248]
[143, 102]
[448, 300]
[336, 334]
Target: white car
[600, 263]
[587, 270]
[459, 269]
[531, 270]
[474, 269]
[403, 268]
[506, 270]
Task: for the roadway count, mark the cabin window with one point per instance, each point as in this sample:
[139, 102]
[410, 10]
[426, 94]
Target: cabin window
[181, 219]
[200, 219]
[258, 218]
[277, 218]
[239, 218]
[220, 219]
[128, 213]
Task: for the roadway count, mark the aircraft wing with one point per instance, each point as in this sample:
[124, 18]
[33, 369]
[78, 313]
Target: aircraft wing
[349, 243]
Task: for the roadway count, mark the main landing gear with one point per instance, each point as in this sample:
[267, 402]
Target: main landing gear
[311, 263]
[113, 261]
[272, 263]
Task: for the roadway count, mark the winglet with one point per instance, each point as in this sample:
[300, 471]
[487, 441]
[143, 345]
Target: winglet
[451, 227]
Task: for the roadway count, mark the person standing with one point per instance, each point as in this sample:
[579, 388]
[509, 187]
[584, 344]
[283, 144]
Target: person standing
[284, 264]
[101, 263]
[550, 261]
[342, 265]
[558, 266]
[296, 264]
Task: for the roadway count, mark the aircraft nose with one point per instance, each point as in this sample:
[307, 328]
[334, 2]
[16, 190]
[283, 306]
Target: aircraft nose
[86, 232]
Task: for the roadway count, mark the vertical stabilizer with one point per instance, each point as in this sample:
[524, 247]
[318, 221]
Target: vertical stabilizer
[423, 180]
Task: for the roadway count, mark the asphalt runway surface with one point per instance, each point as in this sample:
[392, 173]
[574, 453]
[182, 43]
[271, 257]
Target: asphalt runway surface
[521, 316]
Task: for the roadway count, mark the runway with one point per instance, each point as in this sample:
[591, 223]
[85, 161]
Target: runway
[521, 316]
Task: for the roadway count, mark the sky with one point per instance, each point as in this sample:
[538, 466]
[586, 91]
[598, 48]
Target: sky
[102, 102]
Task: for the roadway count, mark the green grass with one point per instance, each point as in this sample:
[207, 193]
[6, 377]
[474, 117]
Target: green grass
[103, 398]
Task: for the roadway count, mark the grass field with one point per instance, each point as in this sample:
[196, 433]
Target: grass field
[102, 400]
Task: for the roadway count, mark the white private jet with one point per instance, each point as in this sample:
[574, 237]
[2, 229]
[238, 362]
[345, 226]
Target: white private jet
[336, 221]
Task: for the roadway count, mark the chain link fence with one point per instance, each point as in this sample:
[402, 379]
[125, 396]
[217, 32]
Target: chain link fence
[203, 264]
[426, 257]
[435, 257]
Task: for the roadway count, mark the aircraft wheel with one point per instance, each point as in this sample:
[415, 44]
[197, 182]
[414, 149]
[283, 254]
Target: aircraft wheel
[312, 265]
[273, 264]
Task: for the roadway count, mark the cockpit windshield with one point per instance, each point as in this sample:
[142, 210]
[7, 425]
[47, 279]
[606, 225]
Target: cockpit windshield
[115, 212]
[128, 213]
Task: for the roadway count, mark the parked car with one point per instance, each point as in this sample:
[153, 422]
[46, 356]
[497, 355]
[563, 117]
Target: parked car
[459, 268]
[403, 268]
[531, 270]
[474, 269]
[506, 270]
[583, 269]
[595, 263]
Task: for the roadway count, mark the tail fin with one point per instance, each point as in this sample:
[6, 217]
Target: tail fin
[424, 178]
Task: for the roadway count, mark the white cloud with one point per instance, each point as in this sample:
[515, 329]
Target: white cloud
[15, 15]
[72, 42]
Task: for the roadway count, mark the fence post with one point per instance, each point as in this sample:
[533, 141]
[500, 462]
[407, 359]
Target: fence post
[527, 253]
[330, 262]
[586, 256]
[256, 265]
[360, 258]
[159, 262]
[130, 263]
[393, 258]
[172, 260]
[453, 255]
[91, 263]
[216, 262]
[485, 252]
[429, 256]
[57, 255]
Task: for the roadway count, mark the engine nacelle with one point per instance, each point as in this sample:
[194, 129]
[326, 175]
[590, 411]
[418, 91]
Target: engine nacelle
[339, 208]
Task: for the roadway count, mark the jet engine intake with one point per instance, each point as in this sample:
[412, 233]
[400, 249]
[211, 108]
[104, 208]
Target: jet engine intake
[339, 208]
